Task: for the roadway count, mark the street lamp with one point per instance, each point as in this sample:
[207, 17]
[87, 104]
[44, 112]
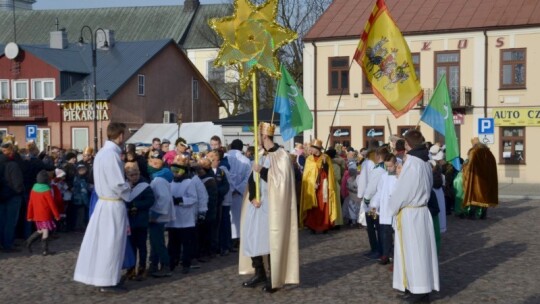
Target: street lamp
[93, 42]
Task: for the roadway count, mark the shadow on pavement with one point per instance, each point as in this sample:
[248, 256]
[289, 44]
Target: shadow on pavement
[474, 264]
[324, 271]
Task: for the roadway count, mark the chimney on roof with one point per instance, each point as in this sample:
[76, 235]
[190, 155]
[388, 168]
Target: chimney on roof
[105, 39]
[58, 39]
[191, 5]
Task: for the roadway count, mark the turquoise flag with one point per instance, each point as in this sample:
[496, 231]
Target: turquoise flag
[438, 115]
[295, 115]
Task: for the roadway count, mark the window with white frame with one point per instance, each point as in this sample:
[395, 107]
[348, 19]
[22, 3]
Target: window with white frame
[43, 89]
[20, 89]
[43, 139]
[4, 89]
[141, 89]
[79, 138]
[3, 133]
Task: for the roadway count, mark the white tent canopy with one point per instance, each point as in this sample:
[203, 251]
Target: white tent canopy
[192, 132]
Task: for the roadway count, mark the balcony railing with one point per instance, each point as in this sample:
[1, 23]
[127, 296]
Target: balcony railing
[461, 97]
[22, 110]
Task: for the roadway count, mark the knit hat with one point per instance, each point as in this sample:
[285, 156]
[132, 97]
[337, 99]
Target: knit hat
[42, 177]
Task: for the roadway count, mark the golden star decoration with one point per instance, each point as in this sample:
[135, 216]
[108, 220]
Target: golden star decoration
[251, 39]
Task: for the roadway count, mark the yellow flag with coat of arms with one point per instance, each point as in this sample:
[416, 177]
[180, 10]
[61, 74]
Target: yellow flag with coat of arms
[387, 63]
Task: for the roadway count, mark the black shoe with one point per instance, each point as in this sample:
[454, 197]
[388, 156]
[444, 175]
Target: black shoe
[186, 270]
[258, 278]
[416, 298]
[267, 288]
[224, 253]
[113, 289]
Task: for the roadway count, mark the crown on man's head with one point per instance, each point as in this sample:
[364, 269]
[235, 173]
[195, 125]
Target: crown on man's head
[267, 128]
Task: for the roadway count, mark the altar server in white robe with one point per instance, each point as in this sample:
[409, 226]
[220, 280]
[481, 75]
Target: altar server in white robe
[239, 175]
[416, 267]
[104, 243]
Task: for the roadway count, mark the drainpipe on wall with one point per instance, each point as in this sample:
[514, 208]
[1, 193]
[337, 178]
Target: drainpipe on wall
[485, 73]
[315, 89]
[61, 106]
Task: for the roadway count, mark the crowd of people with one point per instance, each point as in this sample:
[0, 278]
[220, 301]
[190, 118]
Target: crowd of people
[191, 207]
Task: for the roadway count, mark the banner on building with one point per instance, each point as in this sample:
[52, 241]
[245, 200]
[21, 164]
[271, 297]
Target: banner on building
[522, 117]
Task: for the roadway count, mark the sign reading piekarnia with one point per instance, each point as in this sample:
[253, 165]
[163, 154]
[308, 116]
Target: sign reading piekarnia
[84, 111]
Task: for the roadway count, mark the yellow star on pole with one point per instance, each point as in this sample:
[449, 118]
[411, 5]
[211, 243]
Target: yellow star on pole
[251, 39]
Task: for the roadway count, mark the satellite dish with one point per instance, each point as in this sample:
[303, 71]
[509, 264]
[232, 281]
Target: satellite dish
[11, 50]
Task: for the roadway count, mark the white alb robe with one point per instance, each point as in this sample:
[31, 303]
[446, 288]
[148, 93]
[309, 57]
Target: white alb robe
[381, 199]
[416, 266]
[256, 229]
[239, 176]
[104, 243]
[362, 182]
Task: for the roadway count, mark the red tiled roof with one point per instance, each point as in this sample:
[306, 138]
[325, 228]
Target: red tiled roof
[346, 18]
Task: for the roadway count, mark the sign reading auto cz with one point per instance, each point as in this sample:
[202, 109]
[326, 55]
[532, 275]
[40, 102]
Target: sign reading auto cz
[84, 111]
[506, 117]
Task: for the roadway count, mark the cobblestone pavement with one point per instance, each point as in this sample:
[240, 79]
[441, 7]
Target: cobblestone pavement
[482, 261]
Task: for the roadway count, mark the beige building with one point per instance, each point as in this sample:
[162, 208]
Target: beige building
[489, 55]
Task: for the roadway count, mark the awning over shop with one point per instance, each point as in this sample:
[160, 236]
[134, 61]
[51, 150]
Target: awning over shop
[193, 132]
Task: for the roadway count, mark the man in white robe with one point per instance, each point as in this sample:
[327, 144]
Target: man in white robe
[270, 222]
[416, 267]
[104, 243]
[239, 175]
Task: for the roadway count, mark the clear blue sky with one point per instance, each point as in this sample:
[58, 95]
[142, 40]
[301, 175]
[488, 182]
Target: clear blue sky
[65, 4]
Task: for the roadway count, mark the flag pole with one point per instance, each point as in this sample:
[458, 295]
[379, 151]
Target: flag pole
[337, 107]
[256, 133]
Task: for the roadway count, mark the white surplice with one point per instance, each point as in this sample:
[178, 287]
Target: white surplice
[362, 182]
[239, 176]
[104, 243]
[416, 266]
[381, 199]
[256, 229]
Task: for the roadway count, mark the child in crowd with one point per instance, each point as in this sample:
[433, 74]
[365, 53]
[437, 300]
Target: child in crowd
[138, 206]
[59, 182]
[182, 231]
[351, 204]
[78, 209]
[380, 202]
[42, 210]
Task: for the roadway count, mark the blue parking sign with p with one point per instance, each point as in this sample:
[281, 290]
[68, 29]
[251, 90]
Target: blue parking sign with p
[31, 132]
[486, 126]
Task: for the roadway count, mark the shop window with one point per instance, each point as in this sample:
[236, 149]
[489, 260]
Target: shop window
[512, 148]
[375, 132]
[79, 138]
[513, 69]
[340, 135]
[3, 133]
[43, 139]
[338, 75]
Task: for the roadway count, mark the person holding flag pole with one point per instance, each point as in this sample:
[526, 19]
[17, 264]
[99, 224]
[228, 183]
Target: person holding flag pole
[387, 64]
